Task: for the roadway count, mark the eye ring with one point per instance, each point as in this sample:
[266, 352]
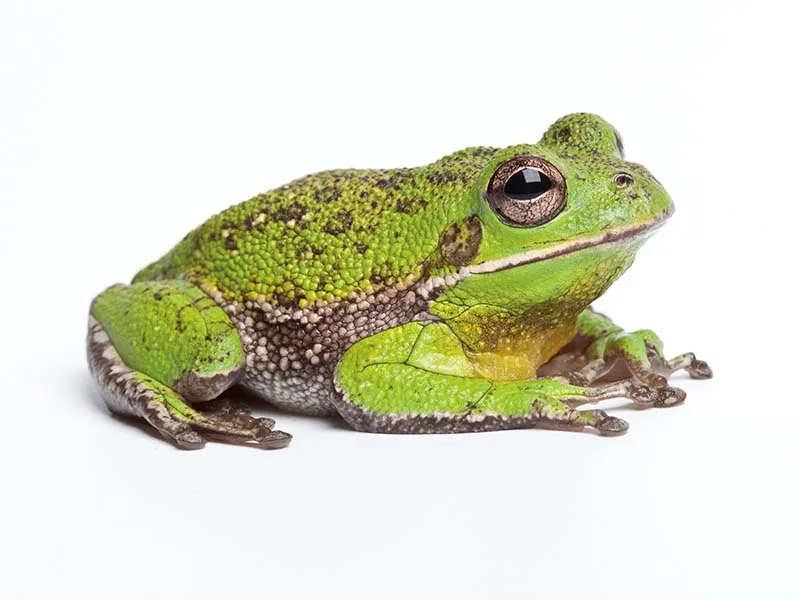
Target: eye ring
[527, 191]
[623, 179]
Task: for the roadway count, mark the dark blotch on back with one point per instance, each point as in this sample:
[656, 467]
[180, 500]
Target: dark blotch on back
[443, 177]
[327, 194]
[410, 206]
[293, 212]
[340, 223]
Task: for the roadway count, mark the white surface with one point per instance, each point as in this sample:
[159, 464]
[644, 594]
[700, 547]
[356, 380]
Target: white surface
[122, 128]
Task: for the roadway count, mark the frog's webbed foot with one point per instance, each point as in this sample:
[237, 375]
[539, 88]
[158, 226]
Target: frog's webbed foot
[232, 422]
[642, 385]
[613, 355]
[187, 427]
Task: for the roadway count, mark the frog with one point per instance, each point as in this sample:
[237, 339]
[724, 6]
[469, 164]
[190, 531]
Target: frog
[452, 297]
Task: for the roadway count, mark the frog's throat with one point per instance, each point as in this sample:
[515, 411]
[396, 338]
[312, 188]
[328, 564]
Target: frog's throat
[610, 236]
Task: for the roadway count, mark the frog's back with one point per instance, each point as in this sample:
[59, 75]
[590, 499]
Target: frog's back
[327, 235]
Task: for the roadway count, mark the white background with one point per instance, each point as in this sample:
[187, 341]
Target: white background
[123, 125]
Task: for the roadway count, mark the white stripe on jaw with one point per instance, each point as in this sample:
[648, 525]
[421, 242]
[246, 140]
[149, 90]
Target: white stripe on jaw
[612, 236]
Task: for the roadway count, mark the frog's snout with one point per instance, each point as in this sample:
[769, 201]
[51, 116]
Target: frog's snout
[661, 204]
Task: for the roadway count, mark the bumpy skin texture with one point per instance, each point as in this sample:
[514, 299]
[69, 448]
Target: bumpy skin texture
[197, 350]
[399, 299]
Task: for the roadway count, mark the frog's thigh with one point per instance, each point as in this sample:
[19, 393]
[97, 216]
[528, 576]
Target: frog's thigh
[156, 347]
[416, 379]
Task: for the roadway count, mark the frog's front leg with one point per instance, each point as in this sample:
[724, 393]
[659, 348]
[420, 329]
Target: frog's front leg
[611, 353]
[157, 347]
[416, 379]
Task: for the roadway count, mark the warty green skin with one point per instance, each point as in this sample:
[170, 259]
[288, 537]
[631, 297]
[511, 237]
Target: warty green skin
[400, 300]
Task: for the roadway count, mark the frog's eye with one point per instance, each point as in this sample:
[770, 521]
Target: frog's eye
[526, 191]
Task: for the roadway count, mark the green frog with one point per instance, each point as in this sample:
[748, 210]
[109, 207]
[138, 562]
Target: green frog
[453, 297]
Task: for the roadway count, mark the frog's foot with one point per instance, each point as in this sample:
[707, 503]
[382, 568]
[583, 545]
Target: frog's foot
[190, 428]
[697, 369]
[553, 416]
[132, 393]
[638, 357]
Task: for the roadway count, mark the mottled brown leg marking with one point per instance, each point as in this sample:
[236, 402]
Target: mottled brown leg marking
[129, 393]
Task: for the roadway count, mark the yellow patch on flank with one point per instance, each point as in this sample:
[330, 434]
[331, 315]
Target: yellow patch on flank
[519, 358]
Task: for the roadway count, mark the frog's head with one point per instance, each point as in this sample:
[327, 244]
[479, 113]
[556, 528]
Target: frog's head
[572, 190]
[560, 219]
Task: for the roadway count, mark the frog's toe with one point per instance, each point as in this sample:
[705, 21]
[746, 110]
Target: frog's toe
[670, 396]
[237, 416]
[274, 440]
[603, 423]
[612, 426]
[700, 370]
[244, 419]
[643, 394]
[697, 369]
[240, 427]
[189, 440]
[646, 375]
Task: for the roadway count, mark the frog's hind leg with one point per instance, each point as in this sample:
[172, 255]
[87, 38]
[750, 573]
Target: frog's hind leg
[416, 379]
[154, 348]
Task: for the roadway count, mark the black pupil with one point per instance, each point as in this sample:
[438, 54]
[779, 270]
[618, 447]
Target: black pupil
[527, 184]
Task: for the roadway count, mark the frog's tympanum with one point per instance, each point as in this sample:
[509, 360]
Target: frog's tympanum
[447, 298]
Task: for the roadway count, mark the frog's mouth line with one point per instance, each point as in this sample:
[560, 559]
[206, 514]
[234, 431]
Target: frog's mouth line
[611, 236]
